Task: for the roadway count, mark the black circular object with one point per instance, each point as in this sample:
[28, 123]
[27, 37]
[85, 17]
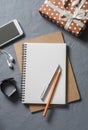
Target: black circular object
[8, 87]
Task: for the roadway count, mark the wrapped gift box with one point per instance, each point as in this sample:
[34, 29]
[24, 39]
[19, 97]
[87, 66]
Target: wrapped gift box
[69, 14]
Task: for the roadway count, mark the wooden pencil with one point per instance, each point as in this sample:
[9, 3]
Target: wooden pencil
[54, 84]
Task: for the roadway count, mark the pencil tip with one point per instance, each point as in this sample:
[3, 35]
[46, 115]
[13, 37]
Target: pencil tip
[59, 68]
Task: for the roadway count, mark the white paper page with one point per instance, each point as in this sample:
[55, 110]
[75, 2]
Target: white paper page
[41, 63]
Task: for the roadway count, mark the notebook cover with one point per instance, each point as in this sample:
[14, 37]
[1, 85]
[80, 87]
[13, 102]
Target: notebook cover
[72, 90]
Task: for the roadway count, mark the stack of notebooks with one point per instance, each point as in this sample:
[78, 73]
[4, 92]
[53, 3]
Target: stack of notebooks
[38, 62]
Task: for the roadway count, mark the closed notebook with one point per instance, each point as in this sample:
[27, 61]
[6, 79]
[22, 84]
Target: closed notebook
[40, 61]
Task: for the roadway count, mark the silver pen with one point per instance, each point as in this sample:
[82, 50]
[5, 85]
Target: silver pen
[46, 89]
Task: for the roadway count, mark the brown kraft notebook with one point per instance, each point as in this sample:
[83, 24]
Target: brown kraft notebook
[72, 90]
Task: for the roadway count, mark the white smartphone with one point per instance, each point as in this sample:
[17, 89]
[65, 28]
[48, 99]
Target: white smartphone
[10, 31]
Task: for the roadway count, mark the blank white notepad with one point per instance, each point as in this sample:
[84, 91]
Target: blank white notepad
[40, 61]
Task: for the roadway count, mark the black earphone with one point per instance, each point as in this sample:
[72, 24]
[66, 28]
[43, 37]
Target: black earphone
[8, 87]
[10, 60]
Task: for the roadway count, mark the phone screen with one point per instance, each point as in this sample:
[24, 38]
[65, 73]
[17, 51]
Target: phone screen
[8, 32]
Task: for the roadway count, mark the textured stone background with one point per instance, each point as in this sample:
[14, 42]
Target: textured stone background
[16, 116]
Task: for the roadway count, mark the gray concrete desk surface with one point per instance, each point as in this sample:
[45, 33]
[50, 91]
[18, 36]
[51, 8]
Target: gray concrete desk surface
[16, 116]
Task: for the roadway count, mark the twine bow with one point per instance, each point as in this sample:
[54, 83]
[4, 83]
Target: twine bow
[76, 17]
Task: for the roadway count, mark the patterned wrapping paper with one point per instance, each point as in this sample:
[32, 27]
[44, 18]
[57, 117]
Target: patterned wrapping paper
[54, 15]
